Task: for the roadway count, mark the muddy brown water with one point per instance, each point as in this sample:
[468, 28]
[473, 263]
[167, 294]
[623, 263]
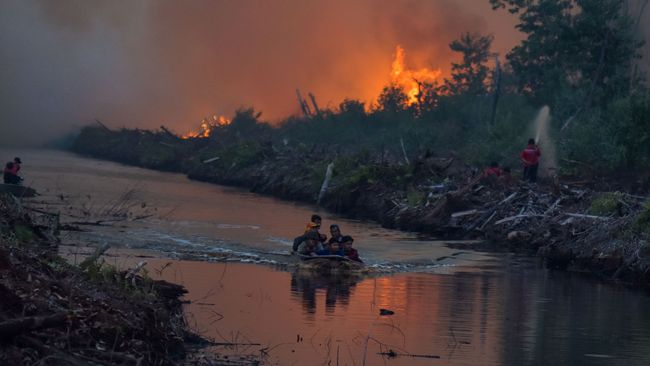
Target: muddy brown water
[451, 306]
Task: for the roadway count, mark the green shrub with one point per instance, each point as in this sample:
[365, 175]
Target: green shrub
[24, 233]
[605, 204]
[414, 197]
[642, 222]
[240, 155]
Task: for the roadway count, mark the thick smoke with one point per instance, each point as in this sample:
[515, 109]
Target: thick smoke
[147, 63]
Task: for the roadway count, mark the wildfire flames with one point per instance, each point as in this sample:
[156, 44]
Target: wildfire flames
[207, 126]
[411, 80]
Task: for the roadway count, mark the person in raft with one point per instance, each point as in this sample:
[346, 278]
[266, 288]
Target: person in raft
[314, 224]
[335, 231]
[530, 158]
[310, 245]
[348, 251]
[334, 249]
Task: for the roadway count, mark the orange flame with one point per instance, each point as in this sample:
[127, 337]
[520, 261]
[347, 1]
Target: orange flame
[207, 126]
[410, 80]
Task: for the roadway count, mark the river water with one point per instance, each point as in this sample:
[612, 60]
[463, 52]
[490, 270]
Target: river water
[228, 247]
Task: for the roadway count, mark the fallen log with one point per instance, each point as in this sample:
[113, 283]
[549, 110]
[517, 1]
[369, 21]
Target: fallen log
[131, 274]
[515, 217]
[207, 161]
[594, 217]
[13, 327]
[488, 220]
[463, 213]
[508, 199]
[550, 209]
[393, 354]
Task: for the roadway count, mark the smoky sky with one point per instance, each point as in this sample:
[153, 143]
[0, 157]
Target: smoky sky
[164, 62]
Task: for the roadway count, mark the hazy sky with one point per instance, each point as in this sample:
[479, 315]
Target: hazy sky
[146, 63]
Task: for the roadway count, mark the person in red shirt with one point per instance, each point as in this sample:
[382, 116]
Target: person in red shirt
[348, 251]
[492, 171]
[530, 158]
[10, 174]
[491, 174]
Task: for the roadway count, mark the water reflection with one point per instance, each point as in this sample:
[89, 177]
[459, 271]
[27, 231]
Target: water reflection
[511, 316]
[306, 284]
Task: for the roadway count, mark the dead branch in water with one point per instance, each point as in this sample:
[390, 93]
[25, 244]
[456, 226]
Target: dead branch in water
[393, 354]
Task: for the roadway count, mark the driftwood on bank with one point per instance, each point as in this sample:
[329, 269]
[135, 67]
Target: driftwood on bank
[93, 258]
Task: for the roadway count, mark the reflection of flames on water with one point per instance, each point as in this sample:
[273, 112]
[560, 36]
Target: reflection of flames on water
[411, 80]
[207, 126]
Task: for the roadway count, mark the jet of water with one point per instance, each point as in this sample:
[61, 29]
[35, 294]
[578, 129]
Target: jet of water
[548, 162]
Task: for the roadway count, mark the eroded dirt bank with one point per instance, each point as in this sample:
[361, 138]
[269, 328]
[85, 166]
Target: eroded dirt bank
[55, 313]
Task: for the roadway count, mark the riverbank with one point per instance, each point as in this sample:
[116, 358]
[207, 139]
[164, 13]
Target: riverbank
[571, 226]
[53, 312]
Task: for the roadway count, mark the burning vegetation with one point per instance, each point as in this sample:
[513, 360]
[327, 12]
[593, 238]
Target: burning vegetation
[207, 126]
[411, 81]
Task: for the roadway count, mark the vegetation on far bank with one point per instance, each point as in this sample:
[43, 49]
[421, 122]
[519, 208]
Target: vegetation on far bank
[579, 57]
[414, 166]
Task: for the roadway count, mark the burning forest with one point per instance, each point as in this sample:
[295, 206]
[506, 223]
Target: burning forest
[422, 117]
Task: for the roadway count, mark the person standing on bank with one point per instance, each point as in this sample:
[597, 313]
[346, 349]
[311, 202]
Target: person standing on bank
[530, 157]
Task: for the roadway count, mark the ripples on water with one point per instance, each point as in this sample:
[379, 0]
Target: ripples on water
[192, 219]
